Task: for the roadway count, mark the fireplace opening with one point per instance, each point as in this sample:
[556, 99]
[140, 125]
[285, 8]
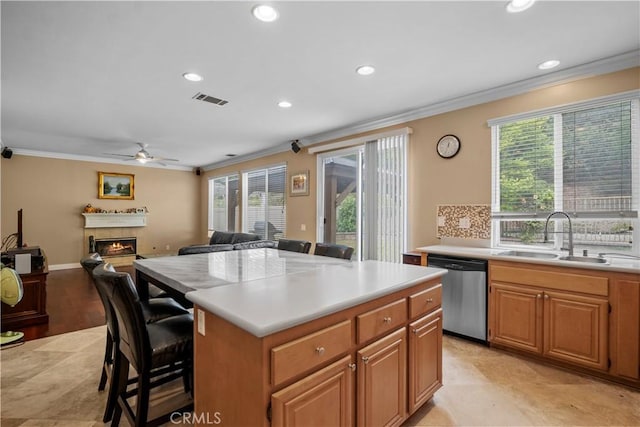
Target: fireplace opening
[115, 246]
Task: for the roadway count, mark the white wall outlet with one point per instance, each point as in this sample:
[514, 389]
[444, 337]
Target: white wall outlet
[441, 221]
[168, 247]
[201, 322]
[303, 227]
[464, 223]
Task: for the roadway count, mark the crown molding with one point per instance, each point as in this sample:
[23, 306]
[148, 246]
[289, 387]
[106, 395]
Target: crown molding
[280, 148]
[80, 158]
[602, 66]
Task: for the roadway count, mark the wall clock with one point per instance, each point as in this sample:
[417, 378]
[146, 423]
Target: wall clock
[448, 146]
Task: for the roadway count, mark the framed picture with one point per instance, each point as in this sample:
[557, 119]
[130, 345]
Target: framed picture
[299, 184]
[115, 186]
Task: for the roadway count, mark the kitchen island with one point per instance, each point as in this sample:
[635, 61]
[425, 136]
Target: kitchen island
[327, 344]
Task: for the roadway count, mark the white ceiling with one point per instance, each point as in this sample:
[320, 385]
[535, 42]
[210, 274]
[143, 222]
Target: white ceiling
[88, 78]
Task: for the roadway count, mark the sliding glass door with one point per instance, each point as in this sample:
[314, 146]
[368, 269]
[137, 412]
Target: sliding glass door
[362, 198]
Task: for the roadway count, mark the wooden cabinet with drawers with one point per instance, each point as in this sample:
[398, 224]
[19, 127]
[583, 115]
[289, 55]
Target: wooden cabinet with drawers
[559, 314]
[372, 364]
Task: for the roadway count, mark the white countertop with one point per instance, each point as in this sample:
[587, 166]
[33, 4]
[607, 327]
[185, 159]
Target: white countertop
[625, 265]
[272, 304]
[264, 291]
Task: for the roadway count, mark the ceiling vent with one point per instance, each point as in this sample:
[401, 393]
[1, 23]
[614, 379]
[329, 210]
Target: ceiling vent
[206, 98]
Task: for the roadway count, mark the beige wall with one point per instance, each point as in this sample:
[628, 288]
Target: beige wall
[53, 192]
[465, 179]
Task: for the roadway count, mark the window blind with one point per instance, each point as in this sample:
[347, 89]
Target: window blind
[264, 208]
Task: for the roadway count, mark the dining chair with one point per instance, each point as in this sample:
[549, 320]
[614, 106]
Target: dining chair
[155, 309]
[302, 246]
[333, 250]
[159, 352]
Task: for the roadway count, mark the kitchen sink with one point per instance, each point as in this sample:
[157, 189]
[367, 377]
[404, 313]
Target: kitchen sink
[527, 254]
[591, 260]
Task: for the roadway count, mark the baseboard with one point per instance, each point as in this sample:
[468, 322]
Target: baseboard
[64, 266]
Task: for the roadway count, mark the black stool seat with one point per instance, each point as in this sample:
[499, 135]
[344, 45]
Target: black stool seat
[333, 250]
[301, 246]
[160, 308]
[170, 340]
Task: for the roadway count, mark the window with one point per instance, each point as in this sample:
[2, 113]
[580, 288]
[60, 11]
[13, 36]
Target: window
[223, 203]
[263, 202]
[581, 159]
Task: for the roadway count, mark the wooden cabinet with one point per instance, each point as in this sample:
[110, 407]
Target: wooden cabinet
[515, 316]
[575, 329]
[546, 311]
[382, 381]
[625, 326]
[425, 359]
[368, 365]
[32, 310]
[324, 398]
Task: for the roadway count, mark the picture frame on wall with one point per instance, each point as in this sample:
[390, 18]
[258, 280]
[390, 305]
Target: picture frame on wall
[299, 184]
[112, 185]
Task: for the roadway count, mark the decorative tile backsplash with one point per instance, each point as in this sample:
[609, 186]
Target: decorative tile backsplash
[464, 221]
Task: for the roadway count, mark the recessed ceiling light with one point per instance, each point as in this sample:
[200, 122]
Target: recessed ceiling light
[546, 65]
[365, 70]
[193, 77]
[264, 13]
[515, 6]
[284, 104]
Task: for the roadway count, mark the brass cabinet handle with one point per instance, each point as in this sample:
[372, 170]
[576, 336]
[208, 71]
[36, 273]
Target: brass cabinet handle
[429, 300]
[546, 296]
[365, 359]
[415, 331]
[387, 319]
[320, 351]
[539, 296]
[352, 366]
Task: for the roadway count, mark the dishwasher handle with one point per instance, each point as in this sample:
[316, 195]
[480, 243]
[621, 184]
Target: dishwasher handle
[453, 267]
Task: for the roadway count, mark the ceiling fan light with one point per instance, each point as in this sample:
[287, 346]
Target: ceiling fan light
[141, 160]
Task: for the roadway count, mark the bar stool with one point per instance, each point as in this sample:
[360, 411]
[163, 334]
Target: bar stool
[301, 246]
[159, 352]
[333, 250]
[153, 310]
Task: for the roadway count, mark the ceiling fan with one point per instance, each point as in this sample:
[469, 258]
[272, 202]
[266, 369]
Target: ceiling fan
[143, 156]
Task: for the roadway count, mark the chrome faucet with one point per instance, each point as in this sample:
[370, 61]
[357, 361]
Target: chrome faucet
[546, 225]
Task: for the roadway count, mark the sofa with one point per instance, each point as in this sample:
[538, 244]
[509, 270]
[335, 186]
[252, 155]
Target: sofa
[223, 241]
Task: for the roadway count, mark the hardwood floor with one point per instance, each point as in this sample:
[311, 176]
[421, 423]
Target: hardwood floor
[72, 304]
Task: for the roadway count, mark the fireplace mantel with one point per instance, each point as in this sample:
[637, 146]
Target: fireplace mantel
[106, 220]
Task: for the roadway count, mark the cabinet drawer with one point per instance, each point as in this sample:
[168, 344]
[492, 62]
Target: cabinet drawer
[295, 357]
[381, 320]
[412, 258]
[425, 301]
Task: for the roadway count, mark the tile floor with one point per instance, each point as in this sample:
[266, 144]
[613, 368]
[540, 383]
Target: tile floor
[53, 382]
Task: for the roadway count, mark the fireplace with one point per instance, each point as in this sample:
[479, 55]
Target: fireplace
[114, 246]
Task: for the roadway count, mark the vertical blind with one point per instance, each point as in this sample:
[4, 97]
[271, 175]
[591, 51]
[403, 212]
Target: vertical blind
[384, 198]
[264, 208]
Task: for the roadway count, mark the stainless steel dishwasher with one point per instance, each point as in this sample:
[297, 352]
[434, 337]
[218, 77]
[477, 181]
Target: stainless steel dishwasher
[464, 296]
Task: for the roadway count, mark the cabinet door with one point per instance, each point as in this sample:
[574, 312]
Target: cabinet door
[576, 329]
[625, 328]
[425, 359]
[515, 314]
[382, 381]
[324, 398]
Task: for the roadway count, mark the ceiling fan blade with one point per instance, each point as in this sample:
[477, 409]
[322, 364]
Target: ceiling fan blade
[119, 155]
